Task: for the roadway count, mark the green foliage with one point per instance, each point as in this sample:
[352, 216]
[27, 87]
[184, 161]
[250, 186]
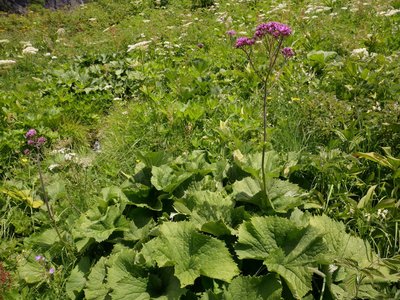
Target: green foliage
[191, 253]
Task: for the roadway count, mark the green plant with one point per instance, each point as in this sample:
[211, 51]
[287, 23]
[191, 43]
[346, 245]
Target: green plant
[270, 36]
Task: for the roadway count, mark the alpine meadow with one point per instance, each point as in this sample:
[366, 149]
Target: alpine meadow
[200, 149]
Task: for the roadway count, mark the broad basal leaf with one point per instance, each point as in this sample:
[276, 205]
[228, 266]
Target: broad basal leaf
[31, 271]
[255, 288]
[209, 211]
[166, 179]
[96, 288]
[282, 195]
[77, 280]
[284, 247]
[141, 195]
[191, 253]
[125, 279]
[251, 163]
[100, 222]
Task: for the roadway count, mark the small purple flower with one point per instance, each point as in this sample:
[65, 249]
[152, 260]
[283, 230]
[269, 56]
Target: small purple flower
[30, 142]
[231, 32]
[275, 29]
[39, 258]
[287, 52]
[27, 152]
[244, 41]
[41, 140]
[31, 133]
[51, 271]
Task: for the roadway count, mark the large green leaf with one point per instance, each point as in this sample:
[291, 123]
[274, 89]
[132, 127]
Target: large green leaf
[167, 179]
[359, 267]
[283, 195]
[125, 279]
[100, 222]
[210, 211]
[255, 288]
[191, 253]
[285, 248]
[77, 279]
[96, 287]
[141, 195]
[251, 163]
[31, 271]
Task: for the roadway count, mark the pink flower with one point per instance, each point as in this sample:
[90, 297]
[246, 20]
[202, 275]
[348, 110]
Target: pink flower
[41, 141]
[30, 142]
[30, 133]
[287, 52]
[27, 152]
[231, 32]
[275, 29]
[39, 258]
[244, 41]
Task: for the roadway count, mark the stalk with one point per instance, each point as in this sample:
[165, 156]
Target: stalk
[46, 200]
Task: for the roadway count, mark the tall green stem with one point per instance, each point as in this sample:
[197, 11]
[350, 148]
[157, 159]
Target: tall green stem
[46, 200]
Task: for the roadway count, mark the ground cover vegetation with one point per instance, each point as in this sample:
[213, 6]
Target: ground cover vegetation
[155, 150]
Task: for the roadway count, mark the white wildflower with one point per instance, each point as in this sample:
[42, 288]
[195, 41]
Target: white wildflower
[5, 41]
[332, 268]
[30, 50]
[390, 12]
[7, 62]
[382, 213]
[53, 166]
[69, 156]
[377, 106]
[60, 31]
[92, 19]
[140, 45]
[360, 53]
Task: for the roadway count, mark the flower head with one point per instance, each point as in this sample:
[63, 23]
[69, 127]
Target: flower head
[39, 258]
[244, 41]
[287, 52]
[41, 141]
[275, 29]
[231, 32]
[51, 271]
[31, 133]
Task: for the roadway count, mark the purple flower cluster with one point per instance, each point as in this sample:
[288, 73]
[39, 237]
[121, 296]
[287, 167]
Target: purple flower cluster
[287, 52]
[32, 140]
[275, 29]
[244, 41]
